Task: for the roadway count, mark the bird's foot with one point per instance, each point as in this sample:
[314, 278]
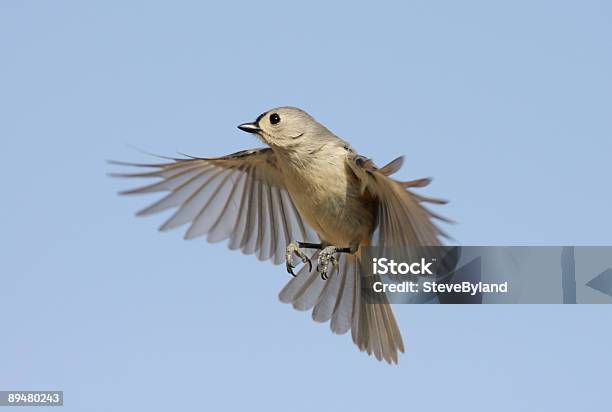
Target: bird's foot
[292, 248]
[326, 256]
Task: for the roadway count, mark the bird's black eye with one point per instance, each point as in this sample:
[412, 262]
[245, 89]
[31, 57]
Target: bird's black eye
[274, 118]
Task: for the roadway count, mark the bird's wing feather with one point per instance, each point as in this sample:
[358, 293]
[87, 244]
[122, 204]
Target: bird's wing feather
[240, 197]
[402, 220]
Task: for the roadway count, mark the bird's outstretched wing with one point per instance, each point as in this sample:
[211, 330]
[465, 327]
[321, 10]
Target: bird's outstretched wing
[240, 197]
[402, 220]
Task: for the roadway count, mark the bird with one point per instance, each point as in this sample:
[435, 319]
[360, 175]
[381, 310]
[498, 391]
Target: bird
[308, 195]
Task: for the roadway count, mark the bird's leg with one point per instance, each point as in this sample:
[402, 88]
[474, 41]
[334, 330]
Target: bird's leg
[327, 255]
[294, 247]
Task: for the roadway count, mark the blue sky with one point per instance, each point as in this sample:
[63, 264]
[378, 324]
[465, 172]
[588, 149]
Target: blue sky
[506, 104]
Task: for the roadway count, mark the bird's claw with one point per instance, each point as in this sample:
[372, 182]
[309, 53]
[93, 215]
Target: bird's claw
[292, 248]
[326, 256]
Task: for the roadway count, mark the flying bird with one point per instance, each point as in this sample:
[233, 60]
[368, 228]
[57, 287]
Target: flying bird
[307, 195]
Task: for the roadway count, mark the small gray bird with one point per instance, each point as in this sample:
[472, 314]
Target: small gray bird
[308, 190]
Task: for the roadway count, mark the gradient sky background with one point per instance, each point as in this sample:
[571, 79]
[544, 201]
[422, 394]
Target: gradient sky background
[506, 104]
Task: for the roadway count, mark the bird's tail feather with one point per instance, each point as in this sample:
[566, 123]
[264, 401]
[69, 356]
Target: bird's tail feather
[339, 299]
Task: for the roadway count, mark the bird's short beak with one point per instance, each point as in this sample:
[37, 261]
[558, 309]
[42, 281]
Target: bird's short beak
[249, 128]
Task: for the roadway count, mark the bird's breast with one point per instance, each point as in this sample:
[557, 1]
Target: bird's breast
[327, 196]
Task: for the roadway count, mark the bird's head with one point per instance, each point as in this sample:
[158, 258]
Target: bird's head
[284, 127]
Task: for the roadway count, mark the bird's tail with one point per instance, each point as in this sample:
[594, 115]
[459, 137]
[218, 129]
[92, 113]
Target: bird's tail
[338, 299]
